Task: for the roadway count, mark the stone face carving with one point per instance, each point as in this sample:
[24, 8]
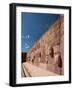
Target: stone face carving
[48, 51]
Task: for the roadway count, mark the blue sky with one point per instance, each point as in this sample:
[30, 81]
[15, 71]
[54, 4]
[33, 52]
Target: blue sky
[33, 26]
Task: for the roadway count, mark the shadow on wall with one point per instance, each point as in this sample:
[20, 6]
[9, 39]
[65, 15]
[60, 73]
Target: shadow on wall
[23, 56]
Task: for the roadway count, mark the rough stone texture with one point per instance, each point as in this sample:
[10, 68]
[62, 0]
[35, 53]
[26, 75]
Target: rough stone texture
[48, 51]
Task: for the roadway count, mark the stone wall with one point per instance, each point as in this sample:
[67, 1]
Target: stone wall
[48, 51]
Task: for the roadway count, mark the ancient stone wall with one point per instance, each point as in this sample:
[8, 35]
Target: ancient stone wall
[48, 51]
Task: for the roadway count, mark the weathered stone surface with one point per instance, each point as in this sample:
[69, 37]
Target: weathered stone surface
[41, 53]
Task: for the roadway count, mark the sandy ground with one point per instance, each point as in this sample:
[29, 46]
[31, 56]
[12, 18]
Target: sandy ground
[34, 71]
